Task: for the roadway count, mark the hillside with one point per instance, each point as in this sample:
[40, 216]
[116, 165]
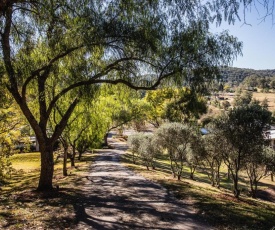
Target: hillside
[237, 75]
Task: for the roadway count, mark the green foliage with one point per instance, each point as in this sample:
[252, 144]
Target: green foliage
[196, 153]
[186, 106]
[243, 131]
[256, 165]
[135, 141]
[249, 78]
[148, 150]
[9, 134]
[214, 145]
[158, 100]
[264, 103]
[175, 139]
[243, 99]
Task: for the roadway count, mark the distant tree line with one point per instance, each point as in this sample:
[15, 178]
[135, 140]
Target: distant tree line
[250, 77]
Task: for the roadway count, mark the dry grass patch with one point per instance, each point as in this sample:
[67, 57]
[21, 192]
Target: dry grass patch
[269, 96]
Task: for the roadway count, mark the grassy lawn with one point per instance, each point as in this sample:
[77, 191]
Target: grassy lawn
[216, 206]
[21, 207]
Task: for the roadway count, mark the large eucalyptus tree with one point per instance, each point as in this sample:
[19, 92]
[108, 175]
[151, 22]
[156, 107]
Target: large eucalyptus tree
[51, 49]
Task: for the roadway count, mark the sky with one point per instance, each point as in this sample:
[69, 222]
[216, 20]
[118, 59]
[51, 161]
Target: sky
[258, 40]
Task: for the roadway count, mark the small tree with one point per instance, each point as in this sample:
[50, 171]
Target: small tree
[242, 129]
[264, 103]
[257, 167]
[244, 98]
[195, 154]
[135, 141]
[175, 138]
[148, 151]
[214, 145]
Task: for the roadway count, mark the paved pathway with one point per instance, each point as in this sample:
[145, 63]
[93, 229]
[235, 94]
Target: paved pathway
[117, 198]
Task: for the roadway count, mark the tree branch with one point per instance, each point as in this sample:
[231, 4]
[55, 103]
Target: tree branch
[64, 120]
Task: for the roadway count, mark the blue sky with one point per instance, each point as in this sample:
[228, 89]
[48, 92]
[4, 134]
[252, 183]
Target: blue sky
[258, 41]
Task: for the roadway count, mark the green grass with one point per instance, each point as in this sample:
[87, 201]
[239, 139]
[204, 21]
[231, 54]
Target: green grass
[218, 207]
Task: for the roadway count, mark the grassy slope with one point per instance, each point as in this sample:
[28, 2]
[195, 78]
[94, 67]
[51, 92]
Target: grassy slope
[218, 207]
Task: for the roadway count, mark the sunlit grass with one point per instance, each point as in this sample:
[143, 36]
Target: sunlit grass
[26, 161]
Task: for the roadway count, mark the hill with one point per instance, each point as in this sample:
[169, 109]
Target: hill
[237, 75]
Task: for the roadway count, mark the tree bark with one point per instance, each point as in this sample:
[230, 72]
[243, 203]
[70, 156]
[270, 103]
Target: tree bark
[47, 168]
[106, 139]
[79, 155]
[217, 177]
[236, 189]
[65, 157]
[72, 157]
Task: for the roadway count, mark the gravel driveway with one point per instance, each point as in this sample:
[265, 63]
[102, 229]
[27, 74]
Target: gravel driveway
[117, 198]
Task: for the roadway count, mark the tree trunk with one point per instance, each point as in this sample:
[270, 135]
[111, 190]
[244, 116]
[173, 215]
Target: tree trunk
[192, 171]
[106, 139]
[192, 175]
[72, 161]
[79, 155]
[272, 177]
[153, 165]
[253, 191]
[212, 183]
[172, 167]
[65, 157]
[236, 189]
[73, 157]
[217, 178]
[47, 168]
[228, 174]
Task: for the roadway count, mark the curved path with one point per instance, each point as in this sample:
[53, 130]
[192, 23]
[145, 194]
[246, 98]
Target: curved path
[120, 199]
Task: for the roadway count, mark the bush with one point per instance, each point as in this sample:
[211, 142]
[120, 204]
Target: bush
[134, 142]
[148, 151]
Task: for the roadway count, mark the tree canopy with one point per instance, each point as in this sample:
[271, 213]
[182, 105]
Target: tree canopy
[51, 49]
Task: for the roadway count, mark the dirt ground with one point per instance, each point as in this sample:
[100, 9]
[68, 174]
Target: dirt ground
[117, 198]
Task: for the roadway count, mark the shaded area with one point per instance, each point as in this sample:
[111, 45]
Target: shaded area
[268, 194]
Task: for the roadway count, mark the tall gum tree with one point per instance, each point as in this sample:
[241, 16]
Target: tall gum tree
[59, 48]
